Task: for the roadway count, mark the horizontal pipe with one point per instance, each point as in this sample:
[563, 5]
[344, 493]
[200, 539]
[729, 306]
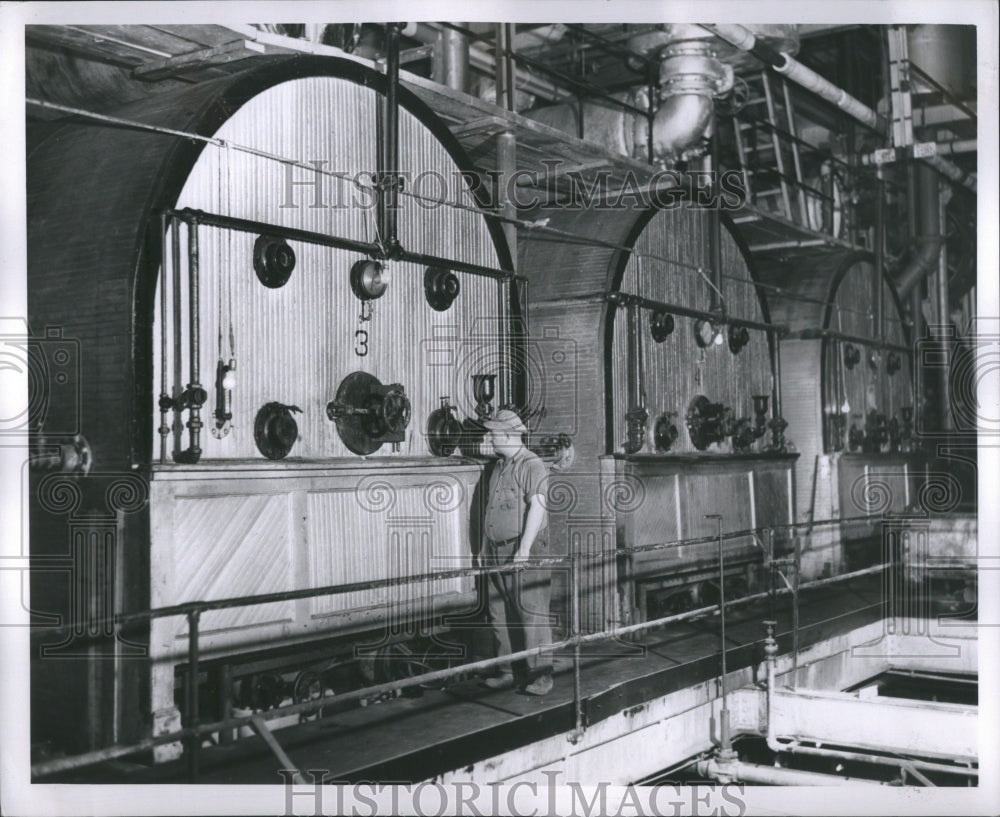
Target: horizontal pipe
[796, 748]
[861, 340]
[309, 237]
[457, 266]
[738, 771]
[623, 299]
[263, 228]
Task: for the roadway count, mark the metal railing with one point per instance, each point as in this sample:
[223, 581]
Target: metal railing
[193, 730]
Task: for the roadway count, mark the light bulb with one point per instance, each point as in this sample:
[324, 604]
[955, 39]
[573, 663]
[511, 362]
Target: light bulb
[229, 380]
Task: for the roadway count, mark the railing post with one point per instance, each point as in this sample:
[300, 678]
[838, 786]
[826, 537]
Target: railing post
[191, 696]
[772, 580]
[795, 610]
[574, 580]
[725, 743]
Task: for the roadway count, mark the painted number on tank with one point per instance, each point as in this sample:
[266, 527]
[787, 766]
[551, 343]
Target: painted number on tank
[360, 343]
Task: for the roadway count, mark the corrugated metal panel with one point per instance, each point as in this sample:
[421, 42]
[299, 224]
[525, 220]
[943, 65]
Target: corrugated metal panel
[677, 370]
[353, 539]
[295, 344]
[867, 388]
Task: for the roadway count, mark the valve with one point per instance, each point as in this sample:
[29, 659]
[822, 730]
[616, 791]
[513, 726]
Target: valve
[66, 455]
[275, 430]
[444, 431]
[441, 288]
[273, 261]
[369, 279]
[661, 326]
[778, 425]
[635, 429]
[855, 438]
[852, 355]
[708, 422]
[739, 336]
[483, 391]
[225, 381]
[192, 397]
[368, 413]
[664, 432]
[557, 450]
[893, 363]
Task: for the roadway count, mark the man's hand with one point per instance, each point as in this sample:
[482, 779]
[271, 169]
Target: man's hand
[522, 554]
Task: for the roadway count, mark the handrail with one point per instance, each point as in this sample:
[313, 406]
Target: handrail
[188, 607]
[57, 765]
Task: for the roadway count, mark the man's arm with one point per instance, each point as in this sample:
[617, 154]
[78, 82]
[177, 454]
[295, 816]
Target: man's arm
[535, 521]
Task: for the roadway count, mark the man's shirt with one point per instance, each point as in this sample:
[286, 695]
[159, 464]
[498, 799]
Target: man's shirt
[514, 481]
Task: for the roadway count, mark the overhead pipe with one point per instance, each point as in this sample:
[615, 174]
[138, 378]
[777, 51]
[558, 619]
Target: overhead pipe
[450, 59]
[483, 60]
[788, 66]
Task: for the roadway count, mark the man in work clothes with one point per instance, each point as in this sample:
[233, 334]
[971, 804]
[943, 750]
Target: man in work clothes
[516, 530]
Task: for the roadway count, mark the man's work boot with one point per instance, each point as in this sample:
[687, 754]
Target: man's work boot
[542, 685]
[503, 681]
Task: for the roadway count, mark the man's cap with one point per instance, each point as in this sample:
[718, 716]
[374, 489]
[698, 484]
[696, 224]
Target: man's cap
[506, 420]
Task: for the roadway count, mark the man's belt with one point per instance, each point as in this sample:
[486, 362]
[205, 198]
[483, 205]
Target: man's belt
[502, 542]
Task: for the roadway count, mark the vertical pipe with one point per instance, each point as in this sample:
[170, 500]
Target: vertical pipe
[715, 236]
[191, 696]
[194, 328]
[879, 252]
[508, 62]
[164, 429]
[175, 252]
[944, 310]
[451, 59]
[650, 117]
[778, 432]
[391, 180]
[506, 147]
[633, 373]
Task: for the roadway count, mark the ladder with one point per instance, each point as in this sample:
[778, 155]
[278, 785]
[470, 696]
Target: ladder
[768, 148]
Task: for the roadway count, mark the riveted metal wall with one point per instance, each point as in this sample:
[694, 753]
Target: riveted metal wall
[677, 370]
[295, 344]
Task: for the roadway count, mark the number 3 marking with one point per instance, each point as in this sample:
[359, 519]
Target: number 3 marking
[361, 343]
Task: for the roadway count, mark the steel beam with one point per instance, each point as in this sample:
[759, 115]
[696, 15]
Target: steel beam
[896, 725]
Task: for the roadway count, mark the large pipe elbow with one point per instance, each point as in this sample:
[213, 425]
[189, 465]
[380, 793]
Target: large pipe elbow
[681, 121]
[922, 264]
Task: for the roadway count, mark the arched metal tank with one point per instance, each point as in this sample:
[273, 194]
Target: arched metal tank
[234, 522]
[602, 305]
[848, 394]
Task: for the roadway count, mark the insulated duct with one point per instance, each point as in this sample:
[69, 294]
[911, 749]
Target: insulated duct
[925, 260]
[691, 77]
